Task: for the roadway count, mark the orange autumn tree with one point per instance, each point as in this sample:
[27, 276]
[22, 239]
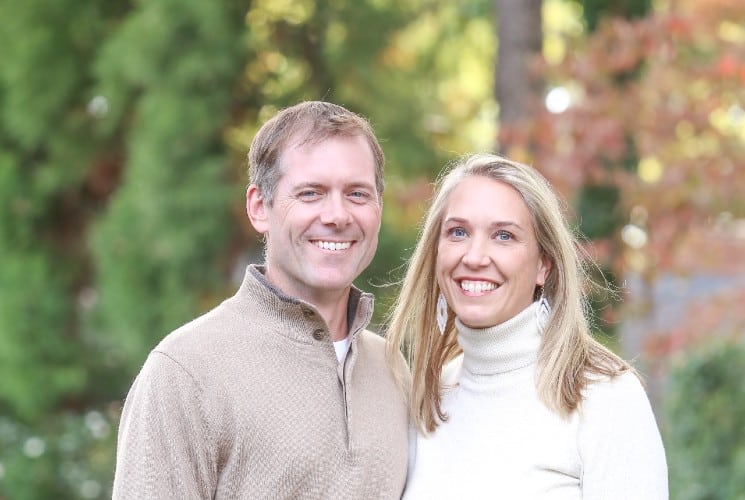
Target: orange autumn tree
[657, 110]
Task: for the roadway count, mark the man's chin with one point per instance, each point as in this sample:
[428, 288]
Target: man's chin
[334, 281]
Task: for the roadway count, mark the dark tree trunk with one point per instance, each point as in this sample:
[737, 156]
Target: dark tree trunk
[520, 35]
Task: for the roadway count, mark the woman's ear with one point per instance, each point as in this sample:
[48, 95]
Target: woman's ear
[256, 209]
[544, 267]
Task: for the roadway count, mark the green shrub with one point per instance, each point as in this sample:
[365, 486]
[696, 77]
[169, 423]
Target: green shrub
[705, 424]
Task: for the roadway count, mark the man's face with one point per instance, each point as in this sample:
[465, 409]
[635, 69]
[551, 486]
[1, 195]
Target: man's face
[322, 227]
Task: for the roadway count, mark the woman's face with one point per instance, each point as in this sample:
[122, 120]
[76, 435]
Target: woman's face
[488, 260]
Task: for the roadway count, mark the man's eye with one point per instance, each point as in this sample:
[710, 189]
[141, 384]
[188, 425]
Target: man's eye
[308, 193]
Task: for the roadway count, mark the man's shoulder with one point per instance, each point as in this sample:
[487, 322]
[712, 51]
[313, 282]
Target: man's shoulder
[371, 337]
[371, 342]
[208, 331]
[372, 347]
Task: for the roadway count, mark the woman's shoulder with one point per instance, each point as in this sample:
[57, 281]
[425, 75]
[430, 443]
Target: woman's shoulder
[615, 395]
[600, 384]
[619, 441]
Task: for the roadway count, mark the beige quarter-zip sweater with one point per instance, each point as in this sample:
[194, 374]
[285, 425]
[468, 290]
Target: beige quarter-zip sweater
[249, 401]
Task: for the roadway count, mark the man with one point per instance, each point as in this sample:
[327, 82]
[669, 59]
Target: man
[280, 391]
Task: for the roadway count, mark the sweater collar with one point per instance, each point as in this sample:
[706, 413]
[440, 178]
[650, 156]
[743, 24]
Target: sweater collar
[281, 306]
[502, 348]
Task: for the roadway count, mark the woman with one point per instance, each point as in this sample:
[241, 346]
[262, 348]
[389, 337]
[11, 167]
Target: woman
[511, 395]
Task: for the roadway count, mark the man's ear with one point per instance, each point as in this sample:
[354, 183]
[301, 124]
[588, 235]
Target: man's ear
[256, 209]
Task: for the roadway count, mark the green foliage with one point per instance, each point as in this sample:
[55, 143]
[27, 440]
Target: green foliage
[172, 66]
[597, 208]
[317, 50]
[30, 356]
[69, 456]
[45, 152]
[41, 35]
[705, 424]
[595, 10]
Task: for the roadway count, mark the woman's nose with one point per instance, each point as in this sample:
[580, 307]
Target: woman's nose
[476, 254]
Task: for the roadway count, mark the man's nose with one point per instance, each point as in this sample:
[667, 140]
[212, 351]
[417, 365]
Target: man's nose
[335, 211]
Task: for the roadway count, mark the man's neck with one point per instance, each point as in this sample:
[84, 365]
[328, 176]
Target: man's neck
[334, 312]
[331, 304]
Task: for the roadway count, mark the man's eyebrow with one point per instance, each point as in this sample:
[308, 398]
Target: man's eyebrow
[361, 184]
[307, 184]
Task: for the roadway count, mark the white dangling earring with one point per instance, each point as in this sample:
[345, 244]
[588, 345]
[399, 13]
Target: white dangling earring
[542, 312]
[442, 313]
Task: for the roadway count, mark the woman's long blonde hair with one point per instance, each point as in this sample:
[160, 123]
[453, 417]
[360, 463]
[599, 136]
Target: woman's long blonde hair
[568, 355]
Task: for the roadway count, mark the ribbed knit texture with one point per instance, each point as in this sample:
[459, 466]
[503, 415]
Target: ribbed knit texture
[500, 441]
[250, 402]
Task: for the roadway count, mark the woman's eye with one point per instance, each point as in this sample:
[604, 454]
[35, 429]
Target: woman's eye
[457, 232]
[504, 235]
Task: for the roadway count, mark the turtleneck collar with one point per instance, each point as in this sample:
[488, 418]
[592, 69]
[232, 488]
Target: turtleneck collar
[502, 348]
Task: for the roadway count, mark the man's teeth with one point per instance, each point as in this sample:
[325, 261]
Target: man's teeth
[332, 245]
[477, 286]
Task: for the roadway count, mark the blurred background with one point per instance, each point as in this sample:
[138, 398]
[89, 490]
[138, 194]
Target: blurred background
[124, 129]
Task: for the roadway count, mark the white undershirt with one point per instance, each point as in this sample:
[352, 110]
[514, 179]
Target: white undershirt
[341, 347]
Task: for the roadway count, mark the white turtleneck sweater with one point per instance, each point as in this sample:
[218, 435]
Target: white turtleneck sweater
[501, 441]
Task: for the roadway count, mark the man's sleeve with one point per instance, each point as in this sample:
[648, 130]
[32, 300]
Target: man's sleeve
[164, 447]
